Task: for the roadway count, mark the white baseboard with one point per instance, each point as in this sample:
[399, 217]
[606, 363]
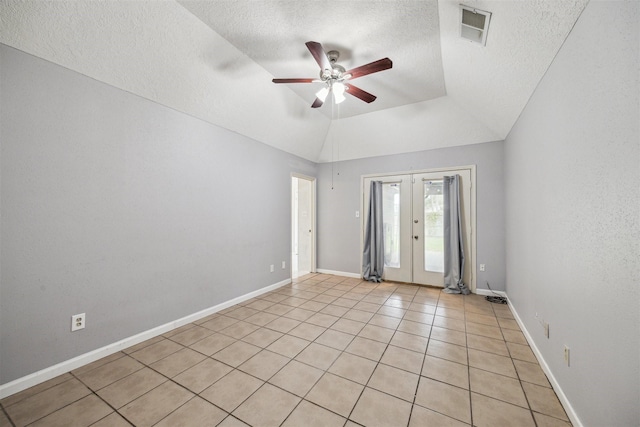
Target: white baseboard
[46, 374]
[571, 413]
[339, 273]
[490, 292]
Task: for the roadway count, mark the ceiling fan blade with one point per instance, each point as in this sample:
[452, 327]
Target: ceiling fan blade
[372, 67]
[318, 54]
[317, 103]
[359, 93]
[294, 80]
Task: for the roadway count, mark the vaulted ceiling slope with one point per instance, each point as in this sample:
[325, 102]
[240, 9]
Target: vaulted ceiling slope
[215, 60]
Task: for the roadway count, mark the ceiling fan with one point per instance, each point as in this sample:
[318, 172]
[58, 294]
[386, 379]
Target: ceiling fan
[336, 77]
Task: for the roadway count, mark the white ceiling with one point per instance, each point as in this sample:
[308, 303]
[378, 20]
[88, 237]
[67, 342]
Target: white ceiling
[215, 60]
[273, 34]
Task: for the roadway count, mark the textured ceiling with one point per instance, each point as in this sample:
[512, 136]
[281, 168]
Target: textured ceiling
[215, 60]
[273, 34]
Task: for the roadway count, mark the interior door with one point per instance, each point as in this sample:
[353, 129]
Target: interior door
[302, 225]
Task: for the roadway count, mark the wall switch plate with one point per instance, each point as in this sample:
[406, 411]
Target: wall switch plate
[77, 322]
[357, 214]
[566, 355]
[272, 268]
[284, 264]
[482, 267]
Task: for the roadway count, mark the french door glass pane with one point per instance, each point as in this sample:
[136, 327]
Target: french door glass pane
[391, 221]
[433, 226]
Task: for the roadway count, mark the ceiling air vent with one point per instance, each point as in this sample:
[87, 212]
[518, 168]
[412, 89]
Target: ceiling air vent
[474, 24]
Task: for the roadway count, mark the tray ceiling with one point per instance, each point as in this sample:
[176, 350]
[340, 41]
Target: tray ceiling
[215, 60]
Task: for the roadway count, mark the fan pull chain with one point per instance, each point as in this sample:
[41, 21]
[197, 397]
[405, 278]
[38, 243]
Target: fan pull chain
[333, 160]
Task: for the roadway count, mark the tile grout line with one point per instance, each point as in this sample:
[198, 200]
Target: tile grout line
[117, 410]
[535, 423]
[526, 398]
[341, 353]
[62, 407]
[293, 292]
[348, 418]
[424, 356]
[466, 341]
[372, 372]
[273, 385]
[6, 414]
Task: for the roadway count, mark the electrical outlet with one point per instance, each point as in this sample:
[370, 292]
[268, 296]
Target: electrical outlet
[272, 268]
[482, 267]
[77, 322]
[566, 355]
[284, 264]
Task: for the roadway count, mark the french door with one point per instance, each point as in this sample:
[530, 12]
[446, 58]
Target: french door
[413, 213]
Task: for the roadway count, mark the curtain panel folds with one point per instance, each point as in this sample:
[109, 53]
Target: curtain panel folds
[373, 254]
[454, 257]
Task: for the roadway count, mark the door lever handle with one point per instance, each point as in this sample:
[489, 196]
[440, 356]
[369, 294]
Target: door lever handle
[415, 237]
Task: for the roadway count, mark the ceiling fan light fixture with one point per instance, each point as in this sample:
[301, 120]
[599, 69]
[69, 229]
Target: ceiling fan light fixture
[322, 93]
[338, 89]
[334, 76]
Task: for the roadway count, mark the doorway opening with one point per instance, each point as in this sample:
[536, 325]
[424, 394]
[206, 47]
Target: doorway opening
[303, 225]
[413, 207]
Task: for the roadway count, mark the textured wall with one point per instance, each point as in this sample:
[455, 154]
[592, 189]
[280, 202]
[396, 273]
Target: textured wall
[124, 209]
[339, 229]
[573, 212]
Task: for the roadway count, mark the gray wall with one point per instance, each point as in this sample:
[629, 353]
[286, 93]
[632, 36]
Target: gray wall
[126, 210]
[573, 211]
[339, 229]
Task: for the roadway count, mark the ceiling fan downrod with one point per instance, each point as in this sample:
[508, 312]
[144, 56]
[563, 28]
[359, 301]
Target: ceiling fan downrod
[336, 72]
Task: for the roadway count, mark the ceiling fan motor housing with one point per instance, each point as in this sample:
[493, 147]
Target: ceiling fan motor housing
[337, 70]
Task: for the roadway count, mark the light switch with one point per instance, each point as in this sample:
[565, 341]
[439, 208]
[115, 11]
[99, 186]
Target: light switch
[357, 214]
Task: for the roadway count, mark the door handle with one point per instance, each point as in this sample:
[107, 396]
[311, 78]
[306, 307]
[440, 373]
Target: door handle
[415, 237]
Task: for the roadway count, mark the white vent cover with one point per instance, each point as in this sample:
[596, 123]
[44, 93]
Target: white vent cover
[474, 24]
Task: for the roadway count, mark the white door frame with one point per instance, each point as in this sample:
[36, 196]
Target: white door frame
[453, 169]
[312, 180]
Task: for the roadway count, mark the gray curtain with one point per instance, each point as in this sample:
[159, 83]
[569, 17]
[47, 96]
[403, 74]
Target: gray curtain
[373, 255]
[453, 246]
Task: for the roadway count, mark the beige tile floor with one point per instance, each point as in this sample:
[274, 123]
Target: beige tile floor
[324, 351]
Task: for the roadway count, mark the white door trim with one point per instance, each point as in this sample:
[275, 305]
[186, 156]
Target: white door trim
[313, 218]
[472, 168]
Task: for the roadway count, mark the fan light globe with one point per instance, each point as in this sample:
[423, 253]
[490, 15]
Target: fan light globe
[338, 92]
[322, 93]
